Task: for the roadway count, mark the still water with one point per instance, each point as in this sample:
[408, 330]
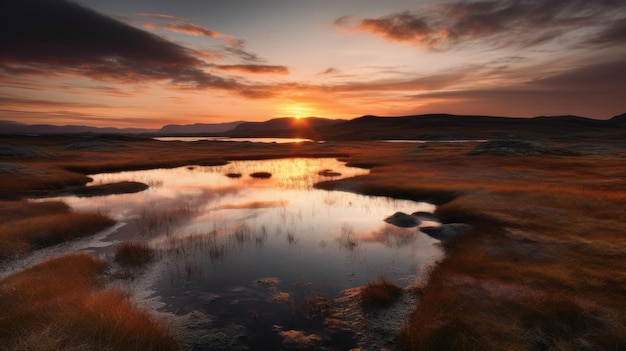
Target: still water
[257, 257]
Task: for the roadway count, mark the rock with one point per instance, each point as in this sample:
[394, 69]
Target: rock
[446, 231]
[401, 219]
[329, 173]
[261, 175]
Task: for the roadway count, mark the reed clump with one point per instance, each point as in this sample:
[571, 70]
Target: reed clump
[134, 254]
[381, 293]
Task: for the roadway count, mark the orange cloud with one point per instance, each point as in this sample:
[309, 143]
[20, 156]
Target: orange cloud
[192, 29]
[254, 69]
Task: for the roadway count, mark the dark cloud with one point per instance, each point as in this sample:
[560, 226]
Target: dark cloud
[237, 48]
[330, 70]
[254, 69]
[594, 90]
[503, 22]
[402, 26]
[64, 37]
[157, 15]
[425, 83]
[25, 102]
[614, 34]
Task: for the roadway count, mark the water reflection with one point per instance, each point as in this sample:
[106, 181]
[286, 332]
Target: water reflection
[220, 237]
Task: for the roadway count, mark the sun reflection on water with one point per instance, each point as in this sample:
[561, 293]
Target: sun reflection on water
[217, 235]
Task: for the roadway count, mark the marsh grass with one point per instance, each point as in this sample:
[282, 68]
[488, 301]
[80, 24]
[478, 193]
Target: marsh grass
[543, 268]
[381, 293]
[28, 226]
[59, 304]
[134, 254]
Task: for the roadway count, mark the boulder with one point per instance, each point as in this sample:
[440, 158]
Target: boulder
[261, 175]
[446, 231]
[401, 219]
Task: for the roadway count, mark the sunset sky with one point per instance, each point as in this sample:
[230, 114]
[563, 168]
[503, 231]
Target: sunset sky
[146, 63]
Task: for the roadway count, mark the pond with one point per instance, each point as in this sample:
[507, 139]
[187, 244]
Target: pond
[247, 259]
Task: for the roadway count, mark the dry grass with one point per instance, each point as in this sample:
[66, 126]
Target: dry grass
[380, 293]
[134, 254]
[28, 226]
[57, 305]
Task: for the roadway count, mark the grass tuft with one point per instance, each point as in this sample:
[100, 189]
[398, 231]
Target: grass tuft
[134, 254]
[380, 293]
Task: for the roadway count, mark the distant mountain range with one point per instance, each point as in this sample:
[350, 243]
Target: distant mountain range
[427, 127]
[14, 128]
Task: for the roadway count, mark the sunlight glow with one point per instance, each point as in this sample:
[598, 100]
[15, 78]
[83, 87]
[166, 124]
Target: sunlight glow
[297, 110]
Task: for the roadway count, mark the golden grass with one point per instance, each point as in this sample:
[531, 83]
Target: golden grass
[45, 225]
[380, 293]
[58, 305]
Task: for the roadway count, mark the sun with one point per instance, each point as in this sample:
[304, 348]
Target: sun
[297, 110]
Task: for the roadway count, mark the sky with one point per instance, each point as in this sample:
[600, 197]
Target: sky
[147, 63]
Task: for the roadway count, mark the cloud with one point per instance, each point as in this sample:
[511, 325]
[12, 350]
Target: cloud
[510, 23]
[330, 70]
[613, 34]
[29, 103]
[592, 90]
[192, 29]
[237, 47]
[157, 15]
[231, 46]
[54, 37]
[254, 69]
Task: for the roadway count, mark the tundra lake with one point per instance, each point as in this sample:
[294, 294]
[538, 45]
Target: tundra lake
[245, 260]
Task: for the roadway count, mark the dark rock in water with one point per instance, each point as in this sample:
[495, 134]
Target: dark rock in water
[261, 175]
[446, 231]
[401, 219]
[425, 216]
[519, 148]
[328, 173]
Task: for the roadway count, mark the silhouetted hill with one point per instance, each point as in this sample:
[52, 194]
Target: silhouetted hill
[445, 126]
[619, 120]
[284, 127]
[421, 127]
[199, 128]
[14, 128]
